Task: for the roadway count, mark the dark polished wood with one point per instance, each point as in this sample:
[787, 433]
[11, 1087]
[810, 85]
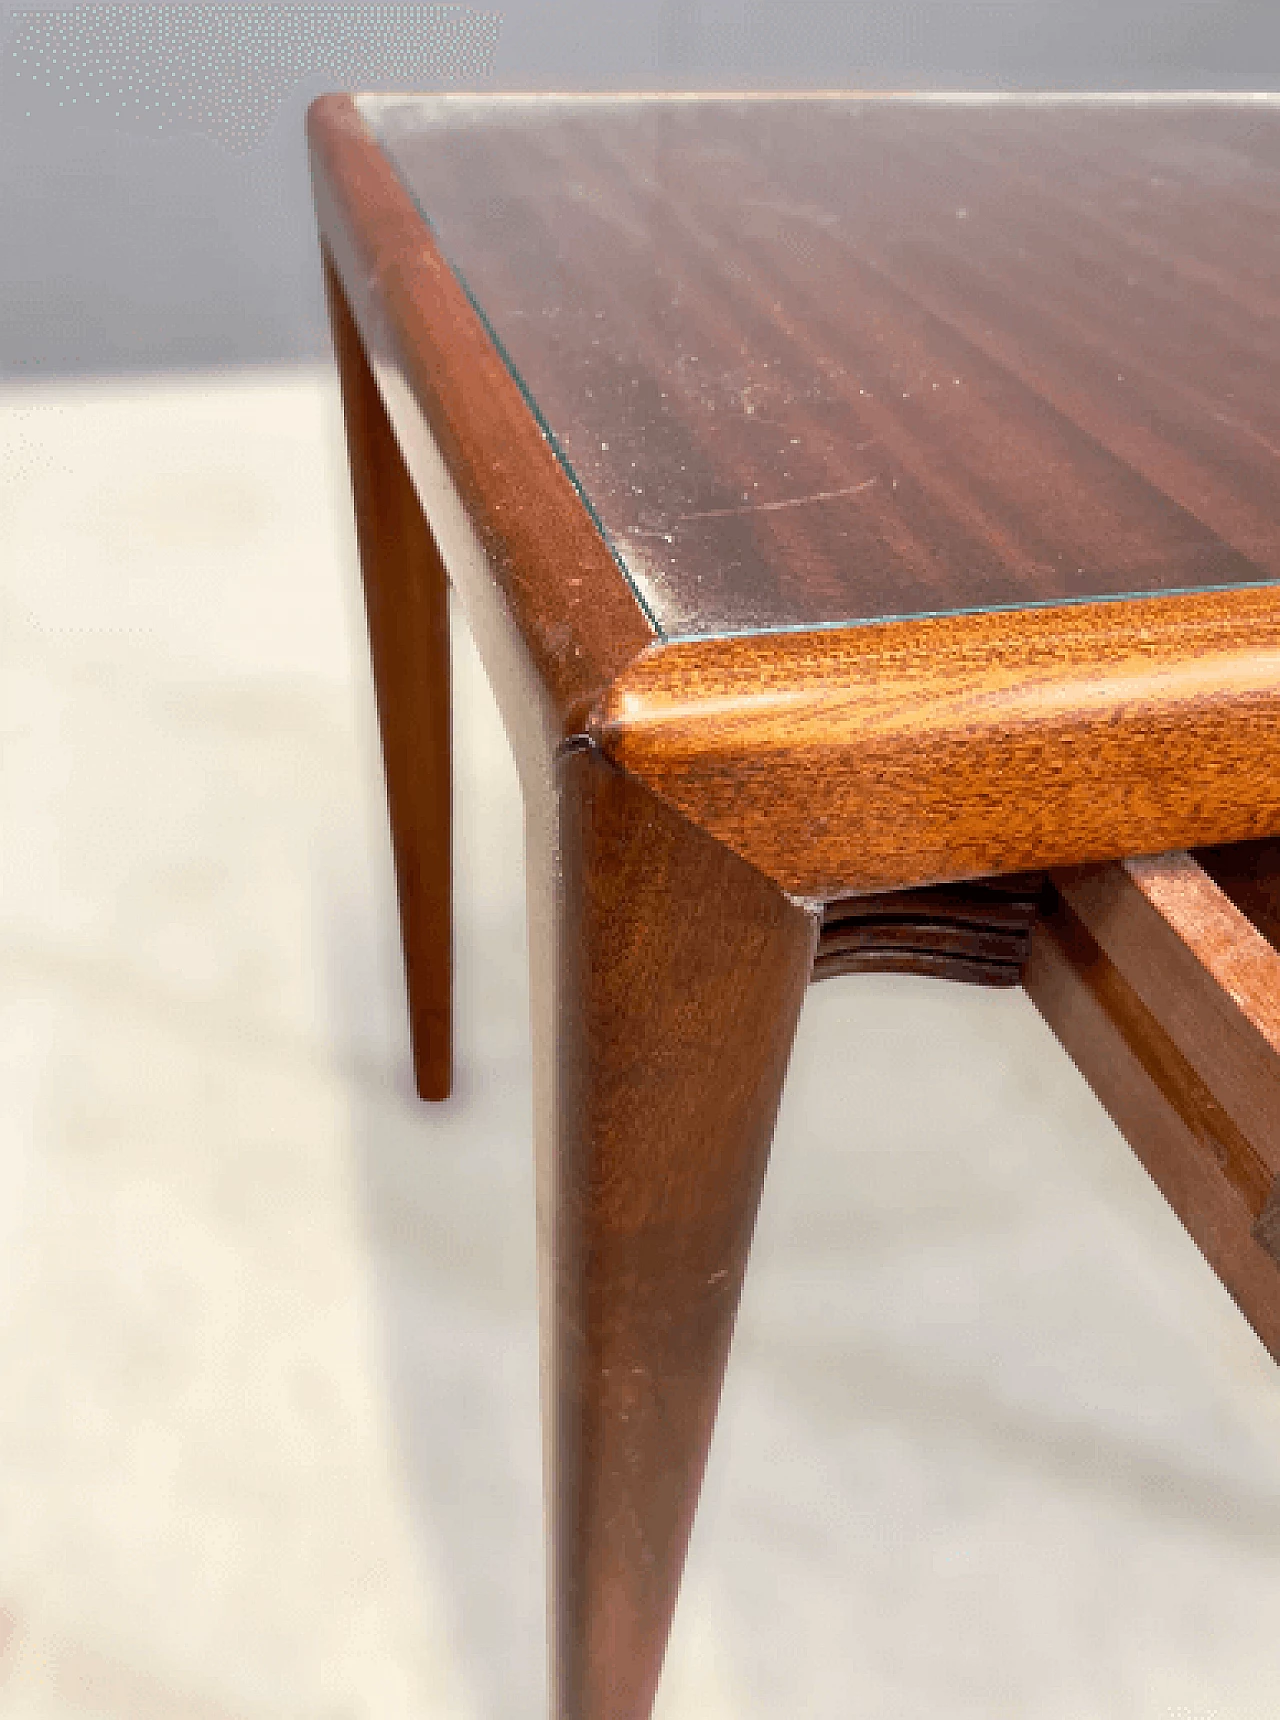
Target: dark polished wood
[676, 987]
[407, 604]
[1168, 1000]
[837, 359]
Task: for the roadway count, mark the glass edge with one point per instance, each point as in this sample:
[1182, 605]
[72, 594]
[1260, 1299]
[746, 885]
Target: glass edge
[844, 623]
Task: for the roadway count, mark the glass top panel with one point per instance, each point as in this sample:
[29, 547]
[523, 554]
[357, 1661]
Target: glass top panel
[819, 361]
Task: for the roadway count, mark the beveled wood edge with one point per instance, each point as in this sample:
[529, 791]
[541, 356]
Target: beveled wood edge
[553, 614]
[871, 758]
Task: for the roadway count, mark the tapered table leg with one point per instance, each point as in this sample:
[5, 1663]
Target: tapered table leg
[665, 1007]
[407, 603]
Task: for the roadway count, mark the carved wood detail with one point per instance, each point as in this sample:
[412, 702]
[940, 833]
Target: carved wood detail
[977, 933]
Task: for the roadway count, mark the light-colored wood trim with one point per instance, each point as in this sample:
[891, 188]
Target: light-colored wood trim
[872, 758]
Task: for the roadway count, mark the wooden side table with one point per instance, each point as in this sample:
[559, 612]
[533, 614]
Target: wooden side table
[867, 512]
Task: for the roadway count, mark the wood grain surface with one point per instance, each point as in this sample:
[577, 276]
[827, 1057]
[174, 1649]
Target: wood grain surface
[1168, 999]
[910, 753]
[821, 360]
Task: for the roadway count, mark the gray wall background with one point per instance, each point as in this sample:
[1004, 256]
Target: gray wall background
[128, 246]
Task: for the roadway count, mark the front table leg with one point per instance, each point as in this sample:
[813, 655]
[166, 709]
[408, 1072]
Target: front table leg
[664, 1015]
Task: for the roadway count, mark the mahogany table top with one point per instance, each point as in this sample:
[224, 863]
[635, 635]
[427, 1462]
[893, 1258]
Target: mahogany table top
[818, 361]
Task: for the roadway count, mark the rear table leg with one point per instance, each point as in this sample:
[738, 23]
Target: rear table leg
[407, 602]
